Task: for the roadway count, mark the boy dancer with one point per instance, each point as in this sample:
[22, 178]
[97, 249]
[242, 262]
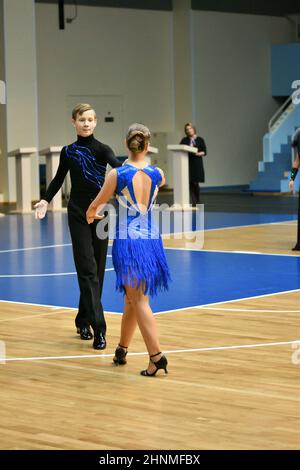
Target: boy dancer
[86, 159]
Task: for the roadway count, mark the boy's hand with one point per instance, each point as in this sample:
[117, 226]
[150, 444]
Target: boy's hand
[291, 185]
[91, 215]
[40, 209]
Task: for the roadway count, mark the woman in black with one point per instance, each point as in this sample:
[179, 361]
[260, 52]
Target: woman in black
[196, 170]
[86, 159]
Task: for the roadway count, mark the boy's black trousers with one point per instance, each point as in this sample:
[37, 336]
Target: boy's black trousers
[89, 254]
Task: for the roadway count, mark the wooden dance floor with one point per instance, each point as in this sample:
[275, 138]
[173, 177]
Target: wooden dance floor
[233, 379]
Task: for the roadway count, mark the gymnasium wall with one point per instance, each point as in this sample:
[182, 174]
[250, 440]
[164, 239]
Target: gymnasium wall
[285, 67]
[21, 87]
[232, 89]
[106, 51]
[2, 114]
[131, 55]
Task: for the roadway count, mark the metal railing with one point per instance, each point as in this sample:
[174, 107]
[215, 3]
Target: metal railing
[279, 112]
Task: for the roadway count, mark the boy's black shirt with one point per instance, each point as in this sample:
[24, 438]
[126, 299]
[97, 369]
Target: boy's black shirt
[86, 159]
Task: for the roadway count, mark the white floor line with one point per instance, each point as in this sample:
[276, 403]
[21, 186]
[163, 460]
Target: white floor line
[170, 236]
[54, 307]
[287, 222]
[203, 306]
[35, 248]
[230, 251]
[38, 248]
[167, 248]
[53, 310]
[37, 315]
[249, 310]
[163, 235]
[36, 275]
[231, 227]
[173, 351]
[43, 275]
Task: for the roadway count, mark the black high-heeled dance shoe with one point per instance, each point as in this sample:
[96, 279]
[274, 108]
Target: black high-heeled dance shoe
[120, 355]
[160, 364]
[296, 247]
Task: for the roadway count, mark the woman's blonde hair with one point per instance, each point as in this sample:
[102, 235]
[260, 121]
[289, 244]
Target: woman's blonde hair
[137, 137]
[81, 108]
[189, 124]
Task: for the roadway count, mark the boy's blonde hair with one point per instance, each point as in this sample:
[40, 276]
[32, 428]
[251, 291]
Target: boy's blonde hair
[81, 108]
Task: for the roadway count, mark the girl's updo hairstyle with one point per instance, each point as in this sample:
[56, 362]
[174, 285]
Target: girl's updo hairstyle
[137, 137]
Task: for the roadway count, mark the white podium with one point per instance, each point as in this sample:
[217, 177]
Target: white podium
[52, 155]
[151, 151]
[23, 177]
[181, 174]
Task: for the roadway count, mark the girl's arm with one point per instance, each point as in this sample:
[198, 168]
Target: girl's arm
[163, 179]
[102, 198]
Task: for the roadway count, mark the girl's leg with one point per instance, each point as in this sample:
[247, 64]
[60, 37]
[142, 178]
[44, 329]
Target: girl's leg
[128, 326]
[129, 321]
[146, 322]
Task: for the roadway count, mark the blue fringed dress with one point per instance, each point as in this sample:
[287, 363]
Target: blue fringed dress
[138, 255]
